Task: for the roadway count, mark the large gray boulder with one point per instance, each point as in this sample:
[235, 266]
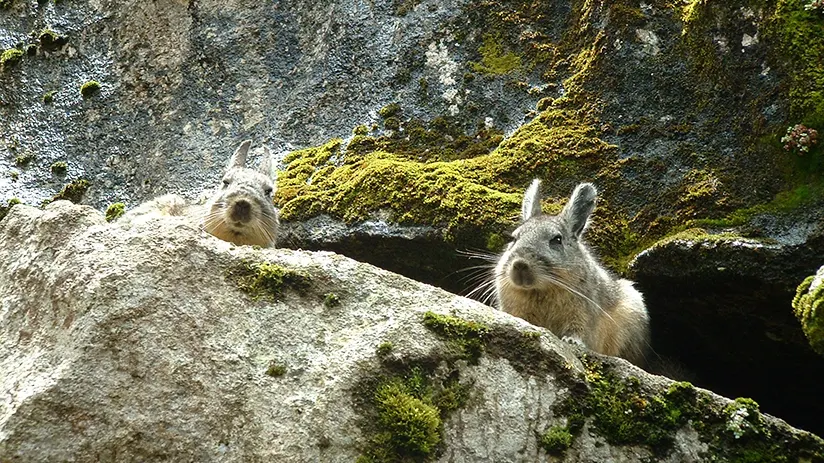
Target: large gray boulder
[157, 342]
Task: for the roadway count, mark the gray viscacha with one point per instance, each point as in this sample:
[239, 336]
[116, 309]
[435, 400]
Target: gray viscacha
[241, 211]
[548, 276]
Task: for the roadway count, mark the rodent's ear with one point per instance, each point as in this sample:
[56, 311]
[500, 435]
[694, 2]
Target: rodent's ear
[266, 164]
[532, 201]
[580, 207]
[239, 158]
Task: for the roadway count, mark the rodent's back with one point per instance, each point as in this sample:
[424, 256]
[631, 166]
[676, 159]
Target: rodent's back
[548, 277]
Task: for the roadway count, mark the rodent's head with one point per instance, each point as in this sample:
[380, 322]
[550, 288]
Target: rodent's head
[547, 249]
[242, 210]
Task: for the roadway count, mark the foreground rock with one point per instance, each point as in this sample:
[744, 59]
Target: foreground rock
[161, 343]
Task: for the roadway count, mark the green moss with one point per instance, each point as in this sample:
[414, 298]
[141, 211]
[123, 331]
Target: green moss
[392, 123]
[267, 280]
[360, 130]
[390, 110]
[466, 196]
[808, 307]
[4, 210]
[467, 336]
[48, 97]
[494, 60]
[50, 40]
[23, 160]
[385, 348]
[6, 4]
[275, 369]
[495, 242]
[73, 191]
[88, 89]
[11, 57]
[59, 167]
[556, 440]
[625, 412]
[405, 412]
[331, 300]
[114, 211]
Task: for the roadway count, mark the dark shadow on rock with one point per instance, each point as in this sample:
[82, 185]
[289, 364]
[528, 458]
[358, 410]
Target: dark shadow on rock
[723, 309]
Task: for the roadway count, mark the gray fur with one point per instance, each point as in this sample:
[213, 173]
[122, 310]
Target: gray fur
[548, 276]
[241, 211]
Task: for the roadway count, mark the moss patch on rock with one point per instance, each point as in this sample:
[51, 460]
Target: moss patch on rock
[625, 412]
[556, 440]
[89, 89]
[73, 191]
[114, 211]
[808, 307]
[267, 281]
[405, 410]
[11, 57]
[465, 335]
[4, 210]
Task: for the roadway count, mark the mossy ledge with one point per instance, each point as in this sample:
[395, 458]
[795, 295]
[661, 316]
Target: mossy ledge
[4, 210]
[626, 412]
[266, 280]
[808, 306]
[73, 191]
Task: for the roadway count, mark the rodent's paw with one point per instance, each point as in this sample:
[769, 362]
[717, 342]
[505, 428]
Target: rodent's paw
[574, 340]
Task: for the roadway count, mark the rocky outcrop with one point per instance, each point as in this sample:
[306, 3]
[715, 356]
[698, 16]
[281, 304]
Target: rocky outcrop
[158, 342]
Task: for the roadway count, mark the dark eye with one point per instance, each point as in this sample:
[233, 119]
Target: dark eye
[268, 191]
[556, 240]
[225, 182]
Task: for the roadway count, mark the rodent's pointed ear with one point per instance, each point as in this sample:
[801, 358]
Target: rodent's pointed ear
[532, 201]
[580, 207]
[239, 158]
[266, 164]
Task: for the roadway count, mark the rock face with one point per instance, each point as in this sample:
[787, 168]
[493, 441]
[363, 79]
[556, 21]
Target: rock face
[419, 123]
[158, 342]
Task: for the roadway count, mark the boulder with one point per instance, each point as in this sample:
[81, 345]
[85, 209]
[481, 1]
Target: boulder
[157, 342]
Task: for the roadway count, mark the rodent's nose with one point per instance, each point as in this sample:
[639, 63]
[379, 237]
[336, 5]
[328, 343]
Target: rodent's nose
[521, 273]
[241, 211]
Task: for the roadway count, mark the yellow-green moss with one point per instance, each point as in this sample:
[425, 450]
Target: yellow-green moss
[275, 369]
[48, 97]
[556, 440]
[73, 191]
[51, 40]
[808, 307]
[385, 348]
[58, 167]
[267, 280]
[466, 335]
[494, 60]
[88, 89]
[4, 210]
[11, 57]
[625, 412]
[331, 300]
[465, 196]
[114, 211]
[24, 159]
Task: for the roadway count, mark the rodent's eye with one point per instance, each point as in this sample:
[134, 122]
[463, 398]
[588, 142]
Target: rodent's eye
[225, 182]
[556, 240]
[268, 191]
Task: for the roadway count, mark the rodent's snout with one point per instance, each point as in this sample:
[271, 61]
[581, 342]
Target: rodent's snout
[241, 211]
[520, 272]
